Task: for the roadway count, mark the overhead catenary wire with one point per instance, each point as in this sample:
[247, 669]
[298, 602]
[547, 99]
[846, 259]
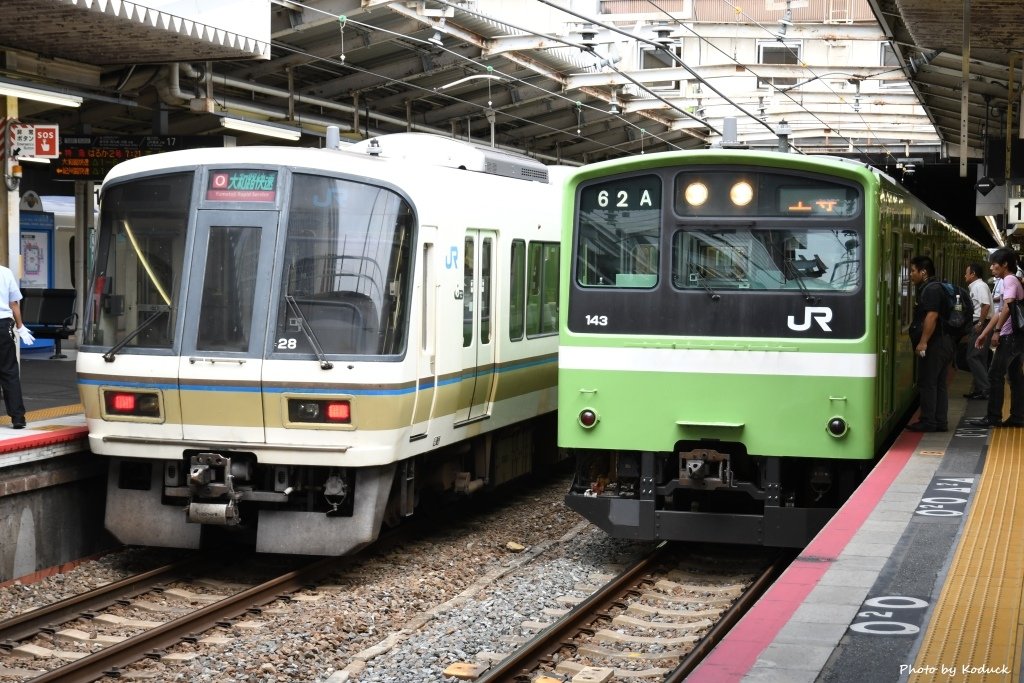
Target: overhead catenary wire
[484, 108]
[430, 91]
[785, 91]
[675, 58]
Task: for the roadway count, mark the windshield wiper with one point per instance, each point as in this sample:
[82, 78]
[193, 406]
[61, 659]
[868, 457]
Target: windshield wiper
[109, 355]
[715, 296]
[308, 331]
[798, 277]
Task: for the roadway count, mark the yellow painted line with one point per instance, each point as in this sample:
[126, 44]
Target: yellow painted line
[978, 622]
[47, 413]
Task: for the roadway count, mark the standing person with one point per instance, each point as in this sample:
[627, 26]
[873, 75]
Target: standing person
[1006, 363]
[11, 329]
[977, 359]
[932, 346]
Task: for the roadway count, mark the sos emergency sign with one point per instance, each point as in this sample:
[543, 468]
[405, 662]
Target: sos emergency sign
[42, 142]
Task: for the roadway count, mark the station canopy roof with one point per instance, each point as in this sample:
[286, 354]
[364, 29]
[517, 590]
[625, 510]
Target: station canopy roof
[930, 37]
[444, 66]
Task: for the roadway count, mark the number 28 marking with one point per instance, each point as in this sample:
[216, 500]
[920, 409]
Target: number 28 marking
[599, 320]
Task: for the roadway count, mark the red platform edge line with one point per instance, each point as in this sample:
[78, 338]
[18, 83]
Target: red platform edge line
[42, 439]
[738, 652]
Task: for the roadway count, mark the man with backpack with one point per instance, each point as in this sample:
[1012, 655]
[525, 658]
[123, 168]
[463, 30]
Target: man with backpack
[933, 346]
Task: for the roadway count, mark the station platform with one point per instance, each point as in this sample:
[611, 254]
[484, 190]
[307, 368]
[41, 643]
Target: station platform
[52, 489]
[918, 577]
[56, 422]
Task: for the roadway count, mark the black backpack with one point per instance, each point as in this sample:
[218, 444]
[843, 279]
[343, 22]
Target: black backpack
[958, 317]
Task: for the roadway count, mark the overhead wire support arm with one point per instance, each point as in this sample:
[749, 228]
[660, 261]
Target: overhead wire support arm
[674, 57]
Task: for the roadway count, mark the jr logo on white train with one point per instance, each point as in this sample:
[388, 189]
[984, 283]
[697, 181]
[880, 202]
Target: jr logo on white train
[819, 314]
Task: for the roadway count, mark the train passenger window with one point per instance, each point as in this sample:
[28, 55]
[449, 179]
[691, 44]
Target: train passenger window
[742, 258]
[619, 233]
[467, 293]
[542, 289]
[138, 267]
[485, 290]
[906, 290]
[348, 268]
[229, 286]
[517, 291]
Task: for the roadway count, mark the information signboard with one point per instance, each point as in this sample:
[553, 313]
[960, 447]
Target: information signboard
[1015, 210]
[90, 157]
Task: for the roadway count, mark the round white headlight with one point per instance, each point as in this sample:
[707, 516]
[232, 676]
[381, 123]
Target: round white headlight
[741, 193]
[696, 194]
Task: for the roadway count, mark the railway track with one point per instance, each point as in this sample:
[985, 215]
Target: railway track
[654, 621]
[38, 636]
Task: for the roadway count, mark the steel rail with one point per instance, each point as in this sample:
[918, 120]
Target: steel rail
[524, 660]
[110, 658]
[29, 623]
[750, 596]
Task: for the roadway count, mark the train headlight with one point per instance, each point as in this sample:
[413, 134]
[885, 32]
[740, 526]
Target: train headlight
[741, 193]
[588, 418]
[308, 410]
[837, 427]
[696, 194]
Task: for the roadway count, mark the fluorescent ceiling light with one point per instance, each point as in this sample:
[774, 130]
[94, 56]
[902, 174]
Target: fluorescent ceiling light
[257, 128]
[39, 95]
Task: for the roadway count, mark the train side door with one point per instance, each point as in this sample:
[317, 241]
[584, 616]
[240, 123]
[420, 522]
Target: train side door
[478, 326]
[426, 366]
[221, 362]
[887, 324]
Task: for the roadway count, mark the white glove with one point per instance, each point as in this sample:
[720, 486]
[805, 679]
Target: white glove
[26, 336]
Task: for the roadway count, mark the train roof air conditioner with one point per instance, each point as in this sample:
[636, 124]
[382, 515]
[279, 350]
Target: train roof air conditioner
[441, 151]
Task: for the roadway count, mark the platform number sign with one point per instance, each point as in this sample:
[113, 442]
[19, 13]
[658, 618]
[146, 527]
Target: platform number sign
[1015, 210]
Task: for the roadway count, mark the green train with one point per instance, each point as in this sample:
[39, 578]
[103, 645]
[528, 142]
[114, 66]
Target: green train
[733, 350]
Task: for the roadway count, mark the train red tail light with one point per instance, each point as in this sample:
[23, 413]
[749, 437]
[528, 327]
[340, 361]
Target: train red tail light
[339, 411]
[132, 403]
[123, 403]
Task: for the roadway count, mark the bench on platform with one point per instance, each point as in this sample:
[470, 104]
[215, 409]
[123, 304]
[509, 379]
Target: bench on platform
[49, 314]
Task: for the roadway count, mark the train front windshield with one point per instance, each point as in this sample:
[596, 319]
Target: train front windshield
[343, 274]
[652, 249]
[139, 258]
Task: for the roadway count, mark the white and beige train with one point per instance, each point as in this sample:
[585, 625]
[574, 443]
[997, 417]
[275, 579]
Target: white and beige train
[296, 346]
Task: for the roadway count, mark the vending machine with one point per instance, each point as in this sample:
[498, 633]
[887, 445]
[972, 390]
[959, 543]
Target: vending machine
[37, 234]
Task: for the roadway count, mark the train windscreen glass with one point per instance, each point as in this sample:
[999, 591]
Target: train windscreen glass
[619, 233]
[767, 259]
[347, 268]
[139, 255]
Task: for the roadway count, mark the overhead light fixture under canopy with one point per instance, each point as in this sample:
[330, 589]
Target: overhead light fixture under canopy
[37, 94]
[258, 128]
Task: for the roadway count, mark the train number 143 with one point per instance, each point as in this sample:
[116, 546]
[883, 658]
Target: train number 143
[599, 320]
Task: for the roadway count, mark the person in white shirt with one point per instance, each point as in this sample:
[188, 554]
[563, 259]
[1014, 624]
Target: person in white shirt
[977, 359]
[1007, 365]
[11, 330]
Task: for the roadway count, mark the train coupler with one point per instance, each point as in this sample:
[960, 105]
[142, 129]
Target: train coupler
[213, 498]
[704, 468]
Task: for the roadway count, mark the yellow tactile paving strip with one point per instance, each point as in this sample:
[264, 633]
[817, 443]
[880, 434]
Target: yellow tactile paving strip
[47, 413]
[977, 629]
